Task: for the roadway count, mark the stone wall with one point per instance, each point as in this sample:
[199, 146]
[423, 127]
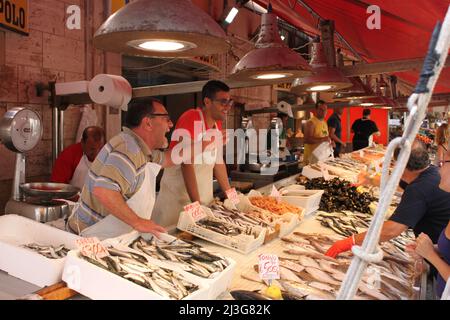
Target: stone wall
[51, 52]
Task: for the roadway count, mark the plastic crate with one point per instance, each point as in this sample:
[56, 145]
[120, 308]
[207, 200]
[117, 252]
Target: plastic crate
[308, 199]
[25, 264]
[241, 243]
[216, 285]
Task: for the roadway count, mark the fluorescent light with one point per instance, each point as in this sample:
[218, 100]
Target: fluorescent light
[271, 76]
[367, 104]
[231, 15]
[283, 37]
[320, 88]
[162, 45]
[252, 5]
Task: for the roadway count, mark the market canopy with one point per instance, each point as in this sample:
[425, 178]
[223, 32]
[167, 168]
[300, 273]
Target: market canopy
[406, 28]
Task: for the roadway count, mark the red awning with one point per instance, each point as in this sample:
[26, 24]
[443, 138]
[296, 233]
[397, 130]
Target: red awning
[406, 27]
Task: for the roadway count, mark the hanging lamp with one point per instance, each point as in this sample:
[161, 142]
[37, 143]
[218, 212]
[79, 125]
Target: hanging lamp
[358, 90]
[272, 61]
[325, 77]
[161, 28]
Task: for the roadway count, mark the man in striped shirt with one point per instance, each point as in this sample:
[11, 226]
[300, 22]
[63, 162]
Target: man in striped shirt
[118, 172]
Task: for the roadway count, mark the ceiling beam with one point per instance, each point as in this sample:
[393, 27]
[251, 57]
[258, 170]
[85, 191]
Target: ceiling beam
[386, 67]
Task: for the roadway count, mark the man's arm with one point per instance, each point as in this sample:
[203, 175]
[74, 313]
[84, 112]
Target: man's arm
[309, 135]
[190, 181]
[334, 137]
[220, 172]
[390, 230]
[116, 205]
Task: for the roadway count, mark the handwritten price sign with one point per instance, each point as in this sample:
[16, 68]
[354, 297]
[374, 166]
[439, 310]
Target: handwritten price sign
[233, 196]
[195, 210]
[269, 267]
[91, 247]
[276, 194]
[324, 170]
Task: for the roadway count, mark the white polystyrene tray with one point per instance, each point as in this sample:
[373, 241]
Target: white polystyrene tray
[308, 199]
[215, 286]
[99, 284]
[26, 264]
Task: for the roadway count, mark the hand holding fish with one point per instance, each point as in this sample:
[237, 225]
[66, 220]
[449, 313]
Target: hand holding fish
[148, 226]
[341, 246]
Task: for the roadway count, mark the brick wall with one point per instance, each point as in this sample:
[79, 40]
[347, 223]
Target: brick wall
[51, 52]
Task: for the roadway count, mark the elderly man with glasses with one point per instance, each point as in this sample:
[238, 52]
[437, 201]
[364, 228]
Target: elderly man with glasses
[119, 191]
[191, 182]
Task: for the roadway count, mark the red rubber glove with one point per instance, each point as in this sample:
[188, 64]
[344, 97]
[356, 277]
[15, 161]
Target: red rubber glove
[341, 246]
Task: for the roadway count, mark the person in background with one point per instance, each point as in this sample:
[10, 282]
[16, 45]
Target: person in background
[72, 165]
[438, 256]
[442, 142]
[316, 132]
[424, 206]
[335, 130]
[191, 182]
[363, 128]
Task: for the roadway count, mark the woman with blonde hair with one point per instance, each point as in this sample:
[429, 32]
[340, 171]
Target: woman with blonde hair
[442, 140]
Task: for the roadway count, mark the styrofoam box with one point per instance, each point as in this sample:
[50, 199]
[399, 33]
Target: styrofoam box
[24, 263]
[308, 199]
[99, 284]
[242, 243]
[311, 173]
[286, 222]
[216, 285]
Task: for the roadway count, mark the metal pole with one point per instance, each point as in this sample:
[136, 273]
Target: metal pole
[417, 105]
[61, 131]
[55, 134]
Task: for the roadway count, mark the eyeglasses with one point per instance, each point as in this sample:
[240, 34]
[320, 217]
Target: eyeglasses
[441, 163]
[225, 102]
[166, 115]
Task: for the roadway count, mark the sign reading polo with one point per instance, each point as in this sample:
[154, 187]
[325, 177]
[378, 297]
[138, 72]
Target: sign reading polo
[14, 15]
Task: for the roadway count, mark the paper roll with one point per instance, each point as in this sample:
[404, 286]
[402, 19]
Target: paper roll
[110, 90]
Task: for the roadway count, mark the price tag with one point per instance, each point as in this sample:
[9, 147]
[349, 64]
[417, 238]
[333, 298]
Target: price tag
[325, 173]
[275, 193]
[195, 210]
[233, 196]
[269, 267]
[91, 247]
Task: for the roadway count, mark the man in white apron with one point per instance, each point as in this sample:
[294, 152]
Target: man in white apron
[190, 182]
[119, 192]
[72, 165]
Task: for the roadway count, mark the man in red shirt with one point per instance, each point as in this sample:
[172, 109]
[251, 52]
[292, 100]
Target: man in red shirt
[191, 182]
[73, 163]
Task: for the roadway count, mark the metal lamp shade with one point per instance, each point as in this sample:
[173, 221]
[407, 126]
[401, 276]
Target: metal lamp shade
[357, 91]
[270, 57]
[178, 21]
[324, 75]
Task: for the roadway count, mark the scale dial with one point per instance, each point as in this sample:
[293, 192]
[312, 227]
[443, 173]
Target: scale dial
[20, 129]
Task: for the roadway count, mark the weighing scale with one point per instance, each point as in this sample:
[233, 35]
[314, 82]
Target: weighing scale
[21, 131]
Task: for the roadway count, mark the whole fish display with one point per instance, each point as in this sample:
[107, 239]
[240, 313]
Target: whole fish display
[238, 218]
[347, 223]
[320, 277]
[136, 268]
[225, 228]
[192, 257]
[50, 252]
[340, 195]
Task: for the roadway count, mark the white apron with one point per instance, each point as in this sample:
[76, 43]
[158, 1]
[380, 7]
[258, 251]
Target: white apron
[173, 195]
[79, 176]
[142, 203]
